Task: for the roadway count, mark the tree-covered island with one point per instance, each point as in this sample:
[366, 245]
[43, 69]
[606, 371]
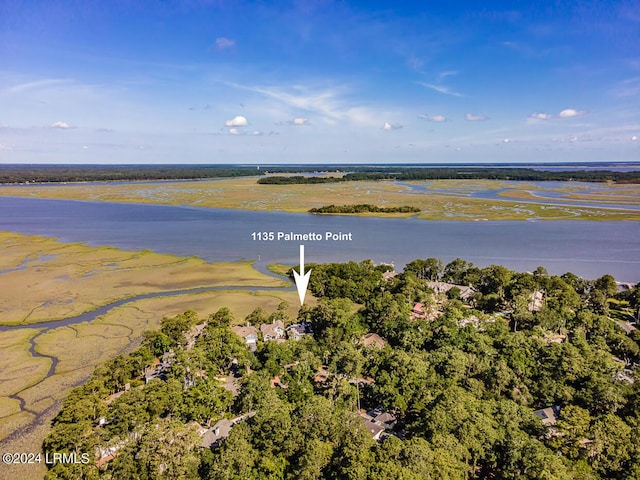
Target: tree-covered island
[362, 208]
[436, 372]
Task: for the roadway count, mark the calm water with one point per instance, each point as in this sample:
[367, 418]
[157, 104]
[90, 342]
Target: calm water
[589, 249]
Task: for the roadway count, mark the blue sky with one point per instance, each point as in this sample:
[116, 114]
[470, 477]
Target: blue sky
[199, 81]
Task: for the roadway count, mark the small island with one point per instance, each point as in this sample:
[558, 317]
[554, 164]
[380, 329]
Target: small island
[363, 208]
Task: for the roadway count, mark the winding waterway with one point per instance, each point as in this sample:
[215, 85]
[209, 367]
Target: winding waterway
[586, 248]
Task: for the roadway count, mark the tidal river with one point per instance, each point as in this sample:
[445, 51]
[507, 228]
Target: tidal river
[588, 249]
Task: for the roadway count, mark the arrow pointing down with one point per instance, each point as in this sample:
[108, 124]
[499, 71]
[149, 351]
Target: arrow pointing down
[302, 279]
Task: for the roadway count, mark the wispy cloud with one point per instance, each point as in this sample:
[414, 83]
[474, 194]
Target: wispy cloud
[222, 43]
[441, 89]
[433, 118]
[628, 88]
[331, 104]
[22, 87]
[470, 117]
[541, 116]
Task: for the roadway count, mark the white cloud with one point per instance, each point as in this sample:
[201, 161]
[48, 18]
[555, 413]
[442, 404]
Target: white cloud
[300, 121]
[238, 121]
[235, 131]
[474, 118]
[62, 125]
[506, 140]
[389, 126]
[224, 42]
[541, 116]
[257, 133]
[437, 118]
[570, 112]
[441, 89]
[634, 138]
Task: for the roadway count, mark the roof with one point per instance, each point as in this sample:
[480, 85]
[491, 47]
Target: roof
[244, 331]
[466, 291]
[373, 339]
[374, 428]
[273, 330]
[216, 433]
[549, 415]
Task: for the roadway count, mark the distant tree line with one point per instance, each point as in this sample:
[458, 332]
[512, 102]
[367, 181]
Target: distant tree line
[104, 173]
[17, 173]
[426, 173]
[363, 208]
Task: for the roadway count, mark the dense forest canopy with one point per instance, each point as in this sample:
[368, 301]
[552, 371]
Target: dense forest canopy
[437, 372]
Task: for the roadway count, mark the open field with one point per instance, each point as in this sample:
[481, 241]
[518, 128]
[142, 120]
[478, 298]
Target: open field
[78, 348]
[437, 200]
[44, 279]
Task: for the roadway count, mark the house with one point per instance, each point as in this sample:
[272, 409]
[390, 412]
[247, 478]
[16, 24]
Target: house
[322, 375]
[276, 382]
[192, 335]
[549, 415]
[555, 338]
[389, 274]
[421, 311]
[386, 276]
[298, 330]
[272, 331]
[377, 421]
[417, 311]
[250, 335]
[373, 340]
[375, 429]
[536, 301]
[441, 288]
[219, 431]
[159, 368]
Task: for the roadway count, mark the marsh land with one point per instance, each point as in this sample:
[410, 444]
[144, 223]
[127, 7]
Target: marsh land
[463, 200]
[46, 280]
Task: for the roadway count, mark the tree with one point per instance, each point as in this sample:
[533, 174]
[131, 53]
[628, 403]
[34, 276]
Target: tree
[607, 285]
[455, 271]
[428, 269]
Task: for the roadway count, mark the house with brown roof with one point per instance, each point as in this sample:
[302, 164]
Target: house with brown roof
[249, 333]
[418, 311]
[373, 340]
[272, 331]
[441, 288]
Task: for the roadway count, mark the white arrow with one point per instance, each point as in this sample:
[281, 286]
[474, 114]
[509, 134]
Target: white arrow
[302, 279]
